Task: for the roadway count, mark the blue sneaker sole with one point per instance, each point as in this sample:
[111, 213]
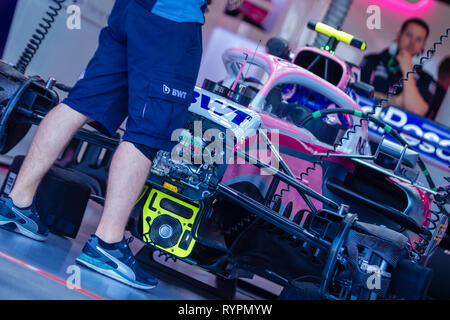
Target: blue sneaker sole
[12, 225]
[110, 272]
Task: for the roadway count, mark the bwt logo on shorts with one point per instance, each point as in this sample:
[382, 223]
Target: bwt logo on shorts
[166, 89]
[174, 92]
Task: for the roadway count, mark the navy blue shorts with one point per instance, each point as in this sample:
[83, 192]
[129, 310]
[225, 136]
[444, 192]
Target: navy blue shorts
[145, 68]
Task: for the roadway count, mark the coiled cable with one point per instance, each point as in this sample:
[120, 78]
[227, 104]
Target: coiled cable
[440, 199]
[379, 104]
[36, 39]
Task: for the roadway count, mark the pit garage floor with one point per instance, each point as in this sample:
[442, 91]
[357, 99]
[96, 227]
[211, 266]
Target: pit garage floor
[36, 270]
[33, 270]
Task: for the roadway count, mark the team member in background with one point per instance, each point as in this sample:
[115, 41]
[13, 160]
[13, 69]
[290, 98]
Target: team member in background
[385, 69]
[149, 49]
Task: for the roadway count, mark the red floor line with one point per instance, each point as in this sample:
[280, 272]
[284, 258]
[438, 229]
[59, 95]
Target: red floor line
[48, 275]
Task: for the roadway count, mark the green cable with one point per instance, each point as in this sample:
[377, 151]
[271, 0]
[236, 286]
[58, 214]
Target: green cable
[387, 128]
[358, 113]
[316, 114]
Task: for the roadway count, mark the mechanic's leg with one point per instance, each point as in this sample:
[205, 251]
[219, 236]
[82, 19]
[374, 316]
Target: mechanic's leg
[54, 133]
[127, 174]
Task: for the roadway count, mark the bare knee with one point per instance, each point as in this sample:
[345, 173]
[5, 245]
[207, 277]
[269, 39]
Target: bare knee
[66, 114]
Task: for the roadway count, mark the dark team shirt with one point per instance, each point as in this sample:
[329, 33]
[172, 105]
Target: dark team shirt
[437, 101]
[375, 71]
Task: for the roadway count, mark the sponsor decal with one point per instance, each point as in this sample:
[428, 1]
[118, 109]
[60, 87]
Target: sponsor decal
[174, 92]
[426, 137]
[220, 108]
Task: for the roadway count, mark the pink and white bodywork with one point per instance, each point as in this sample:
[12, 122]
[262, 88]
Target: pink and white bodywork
[289, 139]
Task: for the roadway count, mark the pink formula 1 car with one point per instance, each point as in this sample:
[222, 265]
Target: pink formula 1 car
[274, 176]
